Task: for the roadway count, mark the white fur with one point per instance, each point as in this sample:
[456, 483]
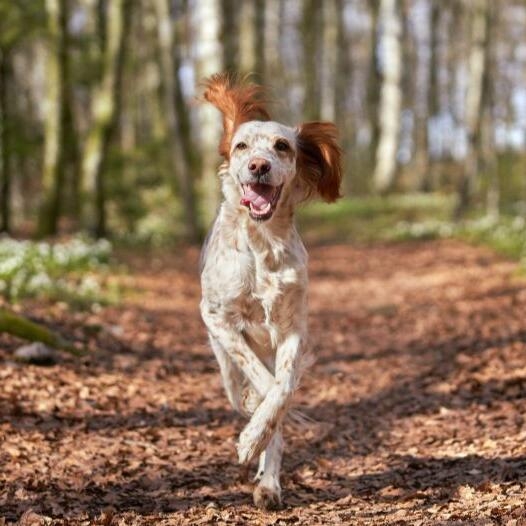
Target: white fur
[254, 304]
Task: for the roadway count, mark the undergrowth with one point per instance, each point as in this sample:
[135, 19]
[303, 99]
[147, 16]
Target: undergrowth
[75, 271]
[411, 216]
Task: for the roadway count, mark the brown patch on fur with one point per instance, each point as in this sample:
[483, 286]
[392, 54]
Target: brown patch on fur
[238, 100]
[319, 159]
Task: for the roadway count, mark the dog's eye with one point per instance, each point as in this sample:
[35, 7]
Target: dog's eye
[282, 146]
[241, 146]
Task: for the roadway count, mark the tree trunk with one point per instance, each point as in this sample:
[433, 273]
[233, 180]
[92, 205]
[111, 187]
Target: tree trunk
[273, 28]
[488, 120]
[413, 101]
[342, 76]
[373, 82]
[181, 161]
[312, 37]
[229, 34]
[69, 138]
[390, 97]
[52, 177]
[106, 107]
[429, 170]
[5, 148]
[259, 40]
[208, 61]
[473, 105]
[21, 327]
[328, 61]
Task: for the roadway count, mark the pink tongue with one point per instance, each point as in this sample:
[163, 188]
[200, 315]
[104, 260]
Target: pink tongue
[257, 194]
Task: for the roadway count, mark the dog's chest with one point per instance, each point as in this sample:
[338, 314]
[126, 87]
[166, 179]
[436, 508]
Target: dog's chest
[270, 295]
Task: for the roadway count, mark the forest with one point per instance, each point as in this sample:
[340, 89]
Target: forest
[111, 405]
[103, 132]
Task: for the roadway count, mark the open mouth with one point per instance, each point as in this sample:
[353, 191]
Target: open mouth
[261, 199]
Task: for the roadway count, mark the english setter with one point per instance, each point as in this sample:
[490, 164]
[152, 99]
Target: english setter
[254, 265]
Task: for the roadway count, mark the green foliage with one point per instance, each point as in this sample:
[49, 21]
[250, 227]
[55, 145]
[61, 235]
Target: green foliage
[506, 235]
[411, 217]
[366, 219]
[70, 271]
[20, 19]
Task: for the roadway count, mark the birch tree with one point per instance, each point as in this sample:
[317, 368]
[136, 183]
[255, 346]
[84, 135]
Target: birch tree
[473, 103]
[207, 62]
[390, 96]
[429, 175]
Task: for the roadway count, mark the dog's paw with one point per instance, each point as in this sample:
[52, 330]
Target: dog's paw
[266, 498]
[246, 448]
[250, 444]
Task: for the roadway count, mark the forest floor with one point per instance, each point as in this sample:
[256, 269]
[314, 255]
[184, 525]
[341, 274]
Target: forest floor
[418, 397]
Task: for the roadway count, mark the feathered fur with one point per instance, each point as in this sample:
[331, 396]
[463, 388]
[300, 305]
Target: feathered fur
[319, 159]
[238, 100]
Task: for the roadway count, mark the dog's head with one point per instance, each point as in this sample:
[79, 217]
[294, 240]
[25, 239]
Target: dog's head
[268, 160]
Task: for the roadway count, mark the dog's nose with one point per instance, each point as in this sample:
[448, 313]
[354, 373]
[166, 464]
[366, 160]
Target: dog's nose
[258, 166]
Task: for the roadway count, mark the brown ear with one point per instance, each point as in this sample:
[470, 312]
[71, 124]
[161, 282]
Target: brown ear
[238, 100]
[319, 159]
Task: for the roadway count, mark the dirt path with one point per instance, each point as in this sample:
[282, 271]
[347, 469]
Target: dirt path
[419, 392]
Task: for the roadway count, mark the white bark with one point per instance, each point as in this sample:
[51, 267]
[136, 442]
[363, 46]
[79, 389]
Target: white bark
[473, 101]
[477, 61]
[208, 61]
[390, 96]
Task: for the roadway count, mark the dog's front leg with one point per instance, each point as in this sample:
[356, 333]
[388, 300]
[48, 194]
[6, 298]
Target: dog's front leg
[267, 417]
[267, 494]
[232, 341]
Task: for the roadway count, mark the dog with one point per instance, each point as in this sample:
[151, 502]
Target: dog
[254, 264]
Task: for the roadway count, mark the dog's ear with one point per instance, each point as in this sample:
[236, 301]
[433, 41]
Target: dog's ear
[319, 159]
[238, 100]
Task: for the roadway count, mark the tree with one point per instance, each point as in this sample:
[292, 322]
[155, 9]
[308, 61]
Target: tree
[208, 62]
[5, 148]
[479, 44]
[312, 39]
[342, 76]
[229, 34]
[487, 141]
[373, 80]
[106, 103]
[53, 171]
[259, 40]
[390, 96]
[61, 147]
[428, 170]
[181, 161]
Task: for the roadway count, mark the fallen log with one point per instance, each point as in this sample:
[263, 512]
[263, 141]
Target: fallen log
[19, 326]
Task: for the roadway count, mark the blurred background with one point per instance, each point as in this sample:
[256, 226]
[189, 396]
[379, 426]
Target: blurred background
[101, 132]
